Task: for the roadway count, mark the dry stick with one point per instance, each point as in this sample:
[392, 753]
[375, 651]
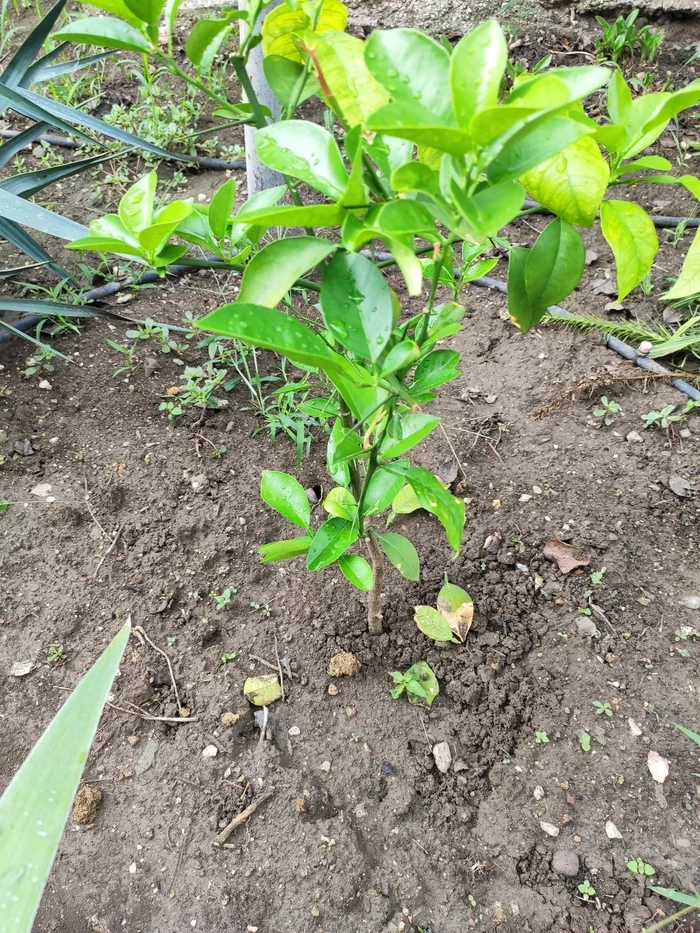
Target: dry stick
[137, 711]
[90, 510]
[139, 632]
[454, 452]
[279, 667]
[110, 548]
[241, 818]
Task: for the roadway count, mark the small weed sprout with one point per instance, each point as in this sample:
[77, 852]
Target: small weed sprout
[228, 657]
[265, 609]
[541, 738]
[223, 599]
[585, 741]
[597, 577]
[622, 39]
[606, 411]
[586, 890]
[56, 654]
[418, 682]
[602, 709]
[639, 867]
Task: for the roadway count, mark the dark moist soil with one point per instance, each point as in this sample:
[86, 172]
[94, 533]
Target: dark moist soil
[362, 832]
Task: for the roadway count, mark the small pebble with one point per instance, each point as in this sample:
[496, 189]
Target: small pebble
[45, 384]
[587, 627]
[691, 602]
[211, 751]
[565, 862]
[611, 831]
[325, 766]
[538, 792]
[294, 731]
[442, 756]
[634, 437]
[537, 490]
[350, 711]
[133, 740]
[549, 828]
[332, 690]
[229, 719]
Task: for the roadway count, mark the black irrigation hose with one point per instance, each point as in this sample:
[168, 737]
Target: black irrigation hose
[217, 165]
[660, 220]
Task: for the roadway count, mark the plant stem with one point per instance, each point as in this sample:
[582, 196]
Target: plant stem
[346, 420]
[374, 602]
[422, 327]
[241, 73]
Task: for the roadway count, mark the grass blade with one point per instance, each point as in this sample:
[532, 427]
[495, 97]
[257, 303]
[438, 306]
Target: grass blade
[38, 218]
[26, 243]
[47, 307]
[691, 735]
[25, 138]
[35, 807]
[18, 270]
[24, 56]
[28, 183]
[15, 99]
[23, 335]
[42, 70]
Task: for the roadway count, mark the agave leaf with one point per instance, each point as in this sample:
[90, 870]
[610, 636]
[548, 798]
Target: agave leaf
[28, 183]
[25, 242]
[10, 148]
[20, 62]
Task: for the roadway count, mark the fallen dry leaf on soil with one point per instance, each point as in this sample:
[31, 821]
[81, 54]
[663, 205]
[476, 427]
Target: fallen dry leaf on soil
[565, 556]
[658, 766]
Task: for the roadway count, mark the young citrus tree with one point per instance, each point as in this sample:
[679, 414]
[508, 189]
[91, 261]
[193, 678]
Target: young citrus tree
[422, 152]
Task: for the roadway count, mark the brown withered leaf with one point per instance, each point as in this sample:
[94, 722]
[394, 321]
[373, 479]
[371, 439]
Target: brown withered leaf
[565, 556]
[459, 617]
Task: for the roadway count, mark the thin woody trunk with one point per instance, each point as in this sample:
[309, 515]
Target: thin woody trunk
[374, 603]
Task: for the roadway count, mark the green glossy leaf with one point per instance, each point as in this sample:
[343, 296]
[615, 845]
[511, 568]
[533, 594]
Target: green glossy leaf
[103, 244]
[676, 103]
[345, 81]
[423, 673]
[357, 571]
[405, 502]
[107, 32]
[271, 273]
[340, 503]
[337, 469]
[435, 370]
[35, 806]
[555, 264]
[283, 24]
[572, 184]
[384, 486]
[26, 243]
[434, 498]
[221, 208]
[136, 206]
[433, 624]
[119, 9]
[206, 38]
[148, 11]
[286, 495]
[490, 209]
[533, 144]
[420, 125]
[476, 70]
[330, 542]
[357, 304]
[283, 550]
[619, 98]
[305, 151]
[631, 235]
[402, 554]
[289, 215]
[653, 162]
[413, 68]
[415, 176]
[271, 330]
[688, 282]
[287, 81]
[452, 597]
[412, 429]
[519, 305]
[691, 900]
[400, 356]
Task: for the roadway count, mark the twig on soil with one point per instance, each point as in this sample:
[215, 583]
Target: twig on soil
[454, 452]
[493, 450]
[137, 711]
[140, 634]
[273, 667]
[92, 512]
[425, 731]
[109, 549]
[279, 667]
[198, 787]
[240, 819]
[263, 728]
[594, 383]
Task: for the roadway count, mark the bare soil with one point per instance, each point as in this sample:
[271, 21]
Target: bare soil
[361, 831]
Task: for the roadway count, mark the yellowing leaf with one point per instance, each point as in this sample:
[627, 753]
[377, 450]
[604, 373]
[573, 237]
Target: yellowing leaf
[433, 624]
[688, 282]
[630, 233]
[457, 608]
[571, 184]
[339, 63]
[281, 25]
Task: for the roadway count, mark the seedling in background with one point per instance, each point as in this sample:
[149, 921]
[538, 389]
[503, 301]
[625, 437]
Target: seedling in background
[418, 682]
[453, 617]
[602, 709]
[585, 741]
[597, 577]
[607, 411]
[229, 657]
[265, 609]
[171, 640]
[541, 738]
[586, 890]
[223, 600]
[639, 867]
[56, 654]
[621, 39]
